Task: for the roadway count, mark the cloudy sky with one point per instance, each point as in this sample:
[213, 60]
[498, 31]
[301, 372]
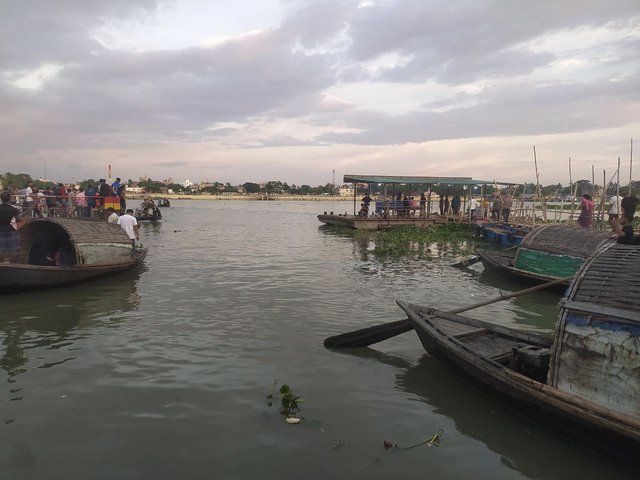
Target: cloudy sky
[255, 90]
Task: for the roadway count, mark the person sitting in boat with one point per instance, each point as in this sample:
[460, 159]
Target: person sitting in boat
[149, 208]
[364, 211]
[9, 238]
[623, 228]
[112, 215]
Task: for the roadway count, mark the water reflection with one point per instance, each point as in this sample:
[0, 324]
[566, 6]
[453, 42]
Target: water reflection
[55, 319]
[520, 442]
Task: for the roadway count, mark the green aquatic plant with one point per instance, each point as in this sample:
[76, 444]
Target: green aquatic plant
[289, 401]
[451, 238]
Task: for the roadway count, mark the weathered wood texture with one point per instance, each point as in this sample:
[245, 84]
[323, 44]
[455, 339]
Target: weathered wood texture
[597, 342]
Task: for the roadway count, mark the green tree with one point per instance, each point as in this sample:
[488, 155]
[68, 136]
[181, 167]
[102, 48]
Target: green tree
[250, 187]
[18, 180]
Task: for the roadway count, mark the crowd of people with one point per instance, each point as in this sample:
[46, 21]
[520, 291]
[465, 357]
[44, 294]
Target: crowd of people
[61, 201]
[66, 200]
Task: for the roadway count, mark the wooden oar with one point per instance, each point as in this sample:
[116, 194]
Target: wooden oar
[370, 335]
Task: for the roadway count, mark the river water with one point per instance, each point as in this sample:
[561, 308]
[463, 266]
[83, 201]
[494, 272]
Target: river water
[162, 373]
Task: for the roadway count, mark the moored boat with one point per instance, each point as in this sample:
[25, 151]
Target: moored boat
[546, 253]
[585, 380]
[60, 251]
[503, 234]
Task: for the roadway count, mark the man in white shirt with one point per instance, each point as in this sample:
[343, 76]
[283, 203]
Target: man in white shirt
[614, 210]
[130, 225]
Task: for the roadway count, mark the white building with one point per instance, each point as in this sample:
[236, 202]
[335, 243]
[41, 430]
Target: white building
[346, 191]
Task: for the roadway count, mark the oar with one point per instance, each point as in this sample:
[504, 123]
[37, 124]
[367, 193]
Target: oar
[370, 335]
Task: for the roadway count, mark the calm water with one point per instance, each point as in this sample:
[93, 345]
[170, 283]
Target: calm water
[162, 373]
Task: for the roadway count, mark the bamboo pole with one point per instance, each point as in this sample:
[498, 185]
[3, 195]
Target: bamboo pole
[539, 189]
[630, 165]
[618, 189]
[572, 193]
[605, 185]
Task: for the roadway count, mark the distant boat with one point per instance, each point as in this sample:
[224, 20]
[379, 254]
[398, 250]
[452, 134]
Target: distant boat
[585, 380]
[60, 251]
[546, 253]
[163, 202]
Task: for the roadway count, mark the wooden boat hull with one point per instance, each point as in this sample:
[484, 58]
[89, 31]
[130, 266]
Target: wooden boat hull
[485, 356]
[15, 277]
[502, 262]
[503, 235]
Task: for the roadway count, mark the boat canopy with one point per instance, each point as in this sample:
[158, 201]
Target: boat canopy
[563, 239]
[558, 249]
[67, 242]
[396, 180]
[596, 350]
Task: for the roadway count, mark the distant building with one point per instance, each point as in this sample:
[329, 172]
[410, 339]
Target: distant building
[346, 191]
[187, 183]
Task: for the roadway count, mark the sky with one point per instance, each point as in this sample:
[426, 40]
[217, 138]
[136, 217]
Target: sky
[307, 91]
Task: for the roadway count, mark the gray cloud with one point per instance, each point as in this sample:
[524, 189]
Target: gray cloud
[129, 102]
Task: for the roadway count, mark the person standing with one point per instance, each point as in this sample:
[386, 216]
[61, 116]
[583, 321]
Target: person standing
[81, 203]
[130, 225]
[496, 207]
[90, 194]
[455, 204]
[423, 206]
[615, 204]
[28, 195]
[9, 238]
[104, 189]
[629, 204]
[115, 186]
[507, 202]
[586, 211]
[366, 200]
[441, 204]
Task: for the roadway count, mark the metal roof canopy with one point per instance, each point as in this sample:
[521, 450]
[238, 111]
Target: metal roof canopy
[388, 179]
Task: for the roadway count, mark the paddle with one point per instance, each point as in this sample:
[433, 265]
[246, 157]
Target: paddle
[370, 335]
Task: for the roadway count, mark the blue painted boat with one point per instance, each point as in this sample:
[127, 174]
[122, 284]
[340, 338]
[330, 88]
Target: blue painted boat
[503, 234]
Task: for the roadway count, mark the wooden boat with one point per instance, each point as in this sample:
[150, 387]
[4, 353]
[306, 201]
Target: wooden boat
[61, 251]
[546, 253]
[503, 234]
[148, 211]
[585, 380]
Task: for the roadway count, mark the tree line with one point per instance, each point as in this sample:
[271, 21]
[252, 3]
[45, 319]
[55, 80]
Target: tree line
[19, 180]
